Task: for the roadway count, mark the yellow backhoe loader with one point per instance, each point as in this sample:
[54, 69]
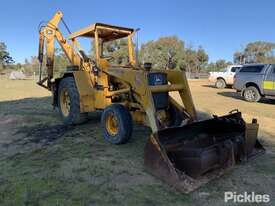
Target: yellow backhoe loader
[181, 150]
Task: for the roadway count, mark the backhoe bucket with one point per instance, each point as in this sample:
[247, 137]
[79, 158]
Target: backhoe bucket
[189, 156]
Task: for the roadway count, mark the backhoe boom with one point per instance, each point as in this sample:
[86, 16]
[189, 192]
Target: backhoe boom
[47, 36]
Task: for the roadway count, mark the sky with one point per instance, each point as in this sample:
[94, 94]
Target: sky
[221, 27]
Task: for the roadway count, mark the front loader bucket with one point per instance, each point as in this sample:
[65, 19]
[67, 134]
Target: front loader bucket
[189, 156]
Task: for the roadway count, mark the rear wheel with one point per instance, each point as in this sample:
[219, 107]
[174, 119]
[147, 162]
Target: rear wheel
[220, 84]
[117, 124]
[251, 94]
[68, 102]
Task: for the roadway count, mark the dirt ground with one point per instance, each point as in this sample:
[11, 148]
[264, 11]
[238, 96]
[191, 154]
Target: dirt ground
[43, 162]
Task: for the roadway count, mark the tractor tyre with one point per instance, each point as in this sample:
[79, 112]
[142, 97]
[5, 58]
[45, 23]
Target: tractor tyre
[251, 94]
[117, 124]
[220, 84]
[69, 103]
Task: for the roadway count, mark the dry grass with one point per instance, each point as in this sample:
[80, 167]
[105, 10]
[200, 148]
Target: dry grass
[20, 89]
[45, 163]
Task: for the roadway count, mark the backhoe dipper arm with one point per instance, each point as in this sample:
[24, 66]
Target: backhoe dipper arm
[47, 37]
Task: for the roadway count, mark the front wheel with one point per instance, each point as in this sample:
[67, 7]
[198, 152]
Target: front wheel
[69, 102]
[251, 94]
[117, 124]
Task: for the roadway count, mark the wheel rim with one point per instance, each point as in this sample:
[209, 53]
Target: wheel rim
[65, 102]
[219, 84]
[250, 95]
[112, 124]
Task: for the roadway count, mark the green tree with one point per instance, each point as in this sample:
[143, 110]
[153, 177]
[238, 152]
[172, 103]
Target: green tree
[202, 59]
[211, 67]
[60, 62]
[221, 64]
[170, 50]
[158, 52]
[117, 50]
[238, 57]
[5, 58]
[256, 52]
[189, 60]
[31, 65]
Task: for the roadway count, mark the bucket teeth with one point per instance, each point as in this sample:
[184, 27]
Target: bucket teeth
[189, 156]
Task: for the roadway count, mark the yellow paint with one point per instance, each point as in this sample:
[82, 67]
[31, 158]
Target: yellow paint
[268, 85]
[112, 124]
[65, 102]
[127, 85]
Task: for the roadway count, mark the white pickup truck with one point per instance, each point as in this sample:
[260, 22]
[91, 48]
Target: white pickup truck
[224, 78]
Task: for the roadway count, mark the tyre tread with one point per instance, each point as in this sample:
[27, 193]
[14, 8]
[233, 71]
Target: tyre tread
[126, 127]
[75, 117]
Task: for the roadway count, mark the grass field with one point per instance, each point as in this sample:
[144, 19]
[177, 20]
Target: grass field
[43, 162]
